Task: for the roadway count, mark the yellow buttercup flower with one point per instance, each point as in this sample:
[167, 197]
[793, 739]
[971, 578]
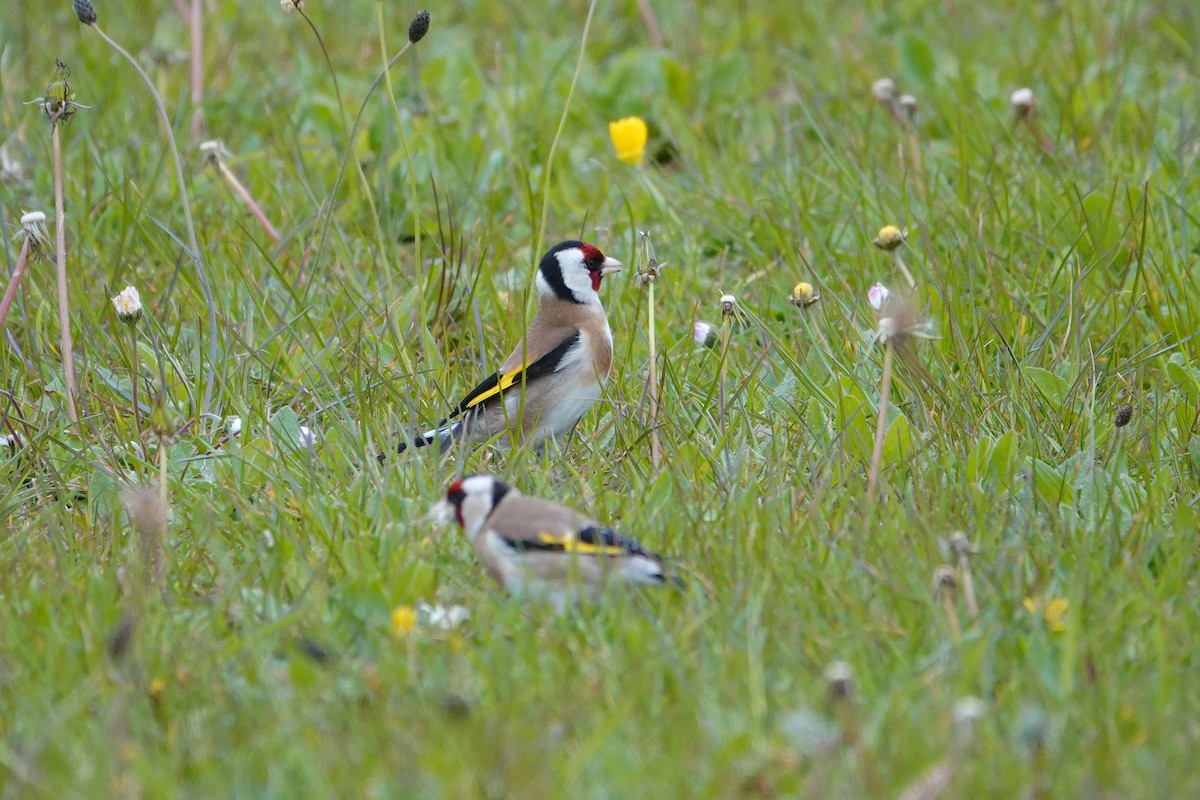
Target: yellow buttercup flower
[404, 621]
[803, 295]
[629, 139]
[890, 237]
[1052, 611]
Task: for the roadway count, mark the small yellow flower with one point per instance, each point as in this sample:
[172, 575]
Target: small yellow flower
[629, 139]
[404, 621]
[1052, 611]
[890, 237]
[156, 690]
[803, 295]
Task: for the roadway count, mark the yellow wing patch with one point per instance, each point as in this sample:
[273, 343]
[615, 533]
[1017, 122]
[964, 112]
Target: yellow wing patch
[570, 544]
[506, 380]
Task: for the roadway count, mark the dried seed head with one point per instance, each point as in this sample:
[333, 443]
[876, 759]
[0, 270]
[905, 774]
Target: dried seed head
[289, 6]
[1124, 415]
[145, 510]
[233, 427]
[33, 229]
[703, 334]
[1023, 102]
[944, 582]
[418, 27]
[211, 150]
[840, 679]
[884, 90]
[960, 546]
[908, 104]
[85, 11]
[728, 304]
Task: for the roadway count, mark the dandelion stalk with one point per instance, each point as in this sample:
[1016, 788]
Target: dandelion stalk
[944, 588]
[885, 391]
[961, 549]
[15, 281]
[163, 452]
[64, 306]
[128, 305]
[87, 15]
[650, 279]
[728, 305]
[212, 155]
[137, 368]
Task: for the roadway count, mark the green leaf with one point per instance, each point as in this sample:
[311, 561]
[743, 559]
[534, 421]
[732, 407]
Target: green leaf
[899, 443]
[1183, 375]
[916, 59]
[1052, 387]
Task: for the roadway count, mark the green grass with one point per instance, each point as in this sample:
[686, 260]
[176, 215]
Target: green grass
[262, 661]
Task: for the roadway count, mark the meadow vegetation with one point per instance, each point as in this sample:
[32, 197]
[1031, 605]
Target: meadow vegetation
[287, 624]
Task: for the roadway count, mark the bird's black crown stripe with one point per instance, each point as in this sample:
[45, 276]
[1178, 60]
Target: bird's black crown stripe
[499, 490]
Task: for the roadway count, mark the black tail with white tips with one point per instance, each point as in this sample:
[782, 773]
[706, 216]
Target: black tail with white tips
[443, 437]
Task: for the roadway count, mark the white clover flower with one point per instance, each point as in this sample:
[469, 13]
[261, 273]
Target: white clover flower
[444, 618]
[289, 6]
[968, 711]
[884, 90]
[8, 440]
[885, 330]
[703, 334]
[128, 305]
[877, 295]
[308, 437]
[1022, 100]
[233, 427]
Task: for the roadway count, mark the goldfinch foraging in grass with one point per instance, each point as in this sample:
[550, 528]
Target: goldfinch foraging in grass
[535, 548]
[554, 375]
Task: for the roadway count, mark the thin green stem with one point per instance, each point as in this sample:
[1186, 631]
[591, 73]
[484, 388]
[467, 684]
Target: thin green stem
[562, 123]
[193, 242]
[64, 306]
[137, 411]
[412, 177]
[885, 391]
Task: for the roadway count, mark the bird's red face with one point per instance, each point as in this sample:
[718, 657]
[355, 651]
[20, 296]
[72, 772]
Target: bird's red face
[593, 261]
[455, 495]
[573, 271]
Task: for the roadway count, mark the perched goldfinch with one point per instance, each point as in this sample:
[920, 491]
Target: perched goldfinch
[554, 375]
[540, 549]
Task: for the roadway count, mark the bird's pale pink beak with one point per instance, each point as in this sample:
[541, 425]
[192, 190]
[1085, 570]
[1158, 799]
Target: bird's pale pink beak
[610, 266]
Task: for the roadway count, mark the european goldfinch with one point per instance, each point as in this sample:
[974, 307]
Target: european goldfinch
[554, 375]
[536, 548]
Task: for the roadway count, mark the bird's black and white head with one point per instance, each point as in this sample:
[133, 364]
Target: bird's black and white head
[470, 501]
[572, 271]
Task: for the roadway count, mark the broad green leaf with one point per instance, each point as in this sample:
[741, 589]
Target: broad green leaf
[1052, 387]
[916, 59]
